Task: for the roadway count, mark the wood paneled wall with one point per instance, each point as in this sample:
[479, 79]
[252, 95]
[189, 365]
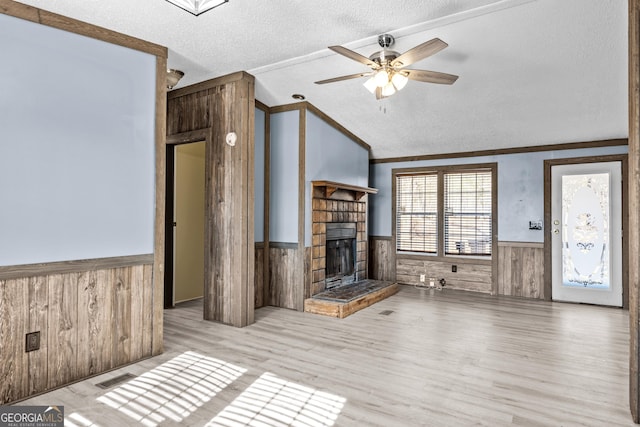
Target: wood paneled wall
[382, 258]
[521, 269]
[469, 277]
[89, 322]
[213, 109]
[258, 292]
[286, 277]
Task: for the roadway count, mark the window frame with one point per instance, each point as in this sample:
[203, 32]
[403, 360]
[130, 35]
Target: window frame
[440, 171]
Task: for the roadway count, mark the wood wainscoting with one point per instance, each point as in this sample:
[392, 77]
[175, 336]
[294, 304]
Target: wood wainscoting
[90, 320]
[382, 258]
[259, 279]
[471, 275]
[286, 276]
[521, 269]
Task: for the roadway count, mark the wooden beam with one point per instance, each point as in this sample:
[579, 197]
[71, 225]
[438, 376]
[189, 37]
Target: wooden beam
[634, 205]
[157, 306]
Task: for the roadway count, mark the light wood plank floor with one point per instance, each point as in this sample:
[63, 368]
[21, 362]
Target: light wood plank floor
[440, 358]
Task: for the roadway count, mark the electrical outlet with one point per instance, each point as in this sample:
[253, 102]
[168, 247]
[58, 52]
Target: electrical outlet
[423, 278]
[32, 341]
[454, 268]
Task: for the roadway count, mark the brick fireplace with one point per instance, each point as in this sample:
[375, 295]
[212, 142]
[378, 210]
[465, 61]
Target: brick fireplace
[339, 235]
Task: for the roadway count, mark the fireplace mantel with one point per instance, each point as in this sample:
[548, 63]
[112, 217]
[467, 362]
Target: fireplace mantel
[331, 187]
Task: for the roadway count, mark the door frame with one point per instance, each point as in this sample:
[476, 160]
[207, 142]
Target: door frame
[622, 158]
[172, 142]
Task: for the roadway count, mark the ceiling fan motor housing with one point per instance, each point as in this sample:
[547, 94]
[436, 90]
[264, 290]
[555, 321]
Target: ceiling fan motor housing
[386, 40]
[384, 56]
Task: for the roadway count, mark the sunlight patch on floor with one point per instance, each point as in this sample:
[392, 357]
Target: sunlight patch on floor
[173, 390]
[272, 401]
[77, 420]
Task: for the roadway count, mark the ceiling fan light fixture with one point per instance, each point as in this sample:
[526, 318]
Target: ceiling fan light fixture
[381, 78]
[388, 73]
[371, 85]
[388, 90]
[399, 80]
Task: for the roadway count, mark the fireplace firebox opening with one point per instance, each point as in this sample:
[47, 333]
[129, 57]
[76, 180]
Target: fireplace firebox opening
[341, 256]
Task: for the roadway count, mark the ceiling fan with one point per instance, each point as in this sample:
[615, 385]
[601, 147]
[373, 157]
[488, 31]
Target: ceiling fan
[388, 73]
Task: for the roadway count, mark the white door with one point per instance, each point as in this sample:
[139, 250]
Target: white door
[586, 233]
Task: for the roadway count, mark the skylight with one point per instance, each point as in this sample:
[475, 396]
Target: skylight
[197, 7]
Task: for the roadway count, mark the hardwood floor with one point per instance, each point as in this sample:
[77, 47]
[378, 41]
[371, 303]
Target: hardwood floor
[418, 358]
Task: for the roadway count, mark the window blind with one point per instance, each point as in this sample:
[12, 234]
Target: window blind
[417, 213]
[467, 213]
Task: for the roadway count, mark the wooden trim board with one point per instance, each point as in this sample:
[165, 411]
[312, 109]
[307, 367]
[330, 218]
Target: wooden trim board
[54, 20]
[79, 266]
[633, 228]
[501, 151]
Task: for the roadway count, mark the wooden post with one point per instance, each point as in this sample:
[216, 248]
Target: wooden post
[215, 110]
[634, 204]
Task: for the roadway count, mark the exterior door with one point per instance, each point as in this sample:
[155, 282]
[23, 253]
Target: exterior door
[586, 233]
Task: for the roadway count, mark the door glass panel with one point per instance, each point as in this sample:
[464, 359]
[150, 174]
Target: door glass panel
[585, 231]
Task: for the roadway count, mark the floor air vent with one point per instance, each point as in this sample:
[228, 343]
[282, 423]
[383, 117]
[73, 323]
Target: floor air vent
[386, 312]
[115, 381]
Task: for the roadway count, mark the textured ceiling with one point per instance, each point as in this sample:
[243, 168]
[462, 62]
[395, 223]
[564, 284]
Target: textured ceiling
[532, 72]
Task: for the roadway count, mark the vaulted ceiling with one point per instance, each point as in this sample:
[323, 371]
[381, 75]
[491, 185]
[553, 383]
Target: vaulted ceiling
[532, 72]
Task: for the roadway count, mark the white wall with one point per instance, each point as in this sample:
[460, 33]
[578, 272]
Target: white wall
[520, 189]
[331, 156]
[77, 119]
[283, 187]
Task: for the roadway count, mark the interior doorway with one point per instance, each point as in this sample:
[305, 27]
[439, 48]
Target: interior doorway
[586, 210]
[184, 271]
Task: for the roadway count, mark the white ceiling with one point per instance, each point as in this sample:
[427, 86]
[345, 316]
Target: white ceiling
[532, 72]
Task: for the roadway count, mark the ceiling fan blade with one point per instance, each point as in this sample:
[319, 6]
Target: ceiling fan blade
[419, 52]
[354, 55]
[350, 76]
[430, 76]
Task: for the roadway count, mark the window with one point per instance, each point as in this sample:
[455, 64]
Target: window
[445, 212]
[467, 213]
[417, 213]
